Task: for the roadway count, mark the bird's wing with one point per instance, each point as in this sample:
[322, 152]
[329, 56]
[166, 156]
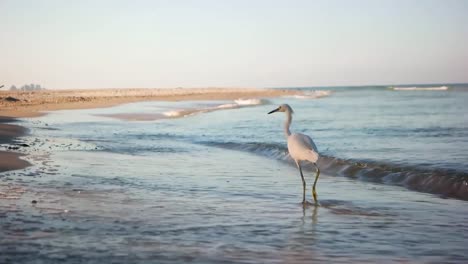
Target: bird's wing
[308, 142]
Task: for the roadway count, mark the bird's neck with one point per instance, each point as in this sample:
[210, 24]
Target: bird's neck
[287, 124]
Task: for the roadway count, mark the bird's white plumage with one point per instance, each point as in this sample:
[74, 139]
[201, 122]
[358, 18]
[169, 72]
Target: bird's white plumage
[302, 147]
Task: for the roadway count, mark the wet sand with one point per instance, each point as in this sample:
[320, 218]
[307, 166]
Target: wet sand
[10, 160]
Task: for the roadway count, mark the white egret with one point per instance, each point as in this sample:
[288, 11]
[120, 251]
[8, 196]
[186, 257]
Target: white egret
[301, 148]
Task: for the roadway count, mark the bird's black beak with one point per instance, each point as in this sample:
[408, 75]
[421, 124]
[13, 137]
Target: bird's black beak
[272, 111]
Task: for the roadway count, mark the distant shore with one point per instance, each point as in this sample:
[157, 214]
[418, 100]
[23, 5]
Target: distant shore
[17, 104]
[31, 104]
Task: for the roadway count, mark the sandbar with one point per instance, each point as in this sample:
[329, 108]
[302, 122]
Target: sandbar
[17, 104]
[31, 104]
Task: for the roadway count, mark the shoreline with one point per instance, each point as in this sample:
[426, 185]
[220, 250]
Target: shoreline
[10, 160]
[21, 104]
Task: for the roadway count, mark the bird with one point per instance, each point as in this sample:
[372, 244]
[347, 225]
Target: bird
[301, 148]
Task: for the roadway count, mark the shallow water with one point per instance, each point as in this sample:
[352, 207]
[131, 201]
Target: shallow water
[218, 186]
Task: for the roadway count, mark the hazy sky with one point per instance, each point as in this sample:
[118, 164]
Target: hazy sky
[99, 44]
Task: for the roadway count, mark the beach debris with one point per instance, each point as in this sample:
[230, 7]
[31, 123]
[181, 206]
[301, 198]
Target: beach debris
[17, 146]
[34, 202]
[11, 99]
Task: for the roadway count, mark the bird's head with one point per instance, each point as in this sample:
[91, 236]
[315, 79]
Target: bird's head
[282, 108]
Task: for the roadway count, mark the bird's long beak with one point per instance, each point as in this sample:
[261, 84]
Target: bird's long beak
[272, 111]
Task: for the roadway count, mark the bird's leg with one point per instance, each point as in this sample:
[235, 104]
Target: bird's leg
[303, 182]
[314, 193]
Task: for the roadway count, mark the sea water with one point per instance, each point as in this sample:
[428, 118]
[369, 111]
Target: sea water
[212, 181]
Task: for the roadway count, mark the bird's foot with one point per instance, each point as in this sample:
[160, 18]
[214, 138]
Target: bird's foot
[307, 204]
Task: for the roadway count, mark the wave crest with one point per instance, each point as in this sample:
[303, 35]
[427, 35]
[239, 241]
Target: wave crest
[311, 94]
[253, 101]
[239, 103]
[435, 88]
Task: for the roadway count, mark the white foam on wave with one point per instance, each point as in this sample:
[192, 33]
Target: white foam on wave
[237, 104]
[253, 101]
[184, 112]
[311, 94]
[227, 106]
[415, 88]
[173, 113]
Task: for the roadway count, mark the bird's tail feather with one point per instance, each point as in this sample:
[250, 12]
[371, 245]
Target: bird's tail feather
[312, 156]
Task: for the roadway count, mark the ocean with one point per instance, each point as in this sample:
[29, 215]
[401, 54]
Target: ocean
[212, 181]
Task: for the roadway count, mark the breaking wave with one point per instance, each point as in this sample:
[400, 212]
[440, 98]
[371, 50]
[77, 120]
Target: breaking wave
[311, 94]
[435, 88]
[239, 103]
[443, 182]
